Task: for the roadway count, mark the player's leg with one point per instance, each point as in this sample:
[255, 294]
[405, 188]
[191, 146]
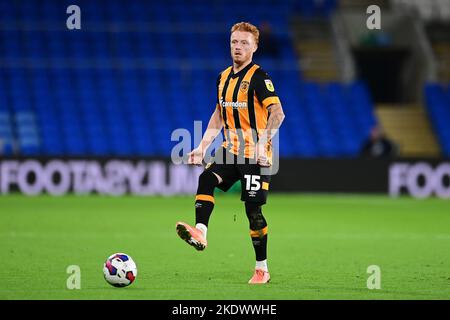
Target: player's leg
[258, 234]
[255, 188]
[204, 200]
[204, 205]
[222, 176]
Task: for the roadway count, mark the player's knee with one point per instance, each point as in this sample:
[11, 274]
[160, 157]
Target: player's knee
[207, 182]
[255, 217]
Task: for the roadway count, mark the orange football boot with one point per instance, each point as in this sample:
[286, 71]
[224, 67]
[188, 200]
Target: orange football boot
[191, 235]
[260, 277]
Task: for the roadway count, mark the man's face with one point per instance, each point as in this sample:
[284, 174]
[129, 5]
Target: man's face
[242, 46]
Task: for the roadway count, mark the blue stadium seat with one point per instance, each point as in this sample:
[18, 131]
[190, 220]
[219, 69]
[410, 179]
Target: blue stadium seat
[437, 100]
[6, 147]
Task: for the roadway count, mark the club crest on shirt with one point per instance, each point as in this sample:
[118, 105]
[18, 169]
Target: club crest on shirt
[269, 85]
[244, 86]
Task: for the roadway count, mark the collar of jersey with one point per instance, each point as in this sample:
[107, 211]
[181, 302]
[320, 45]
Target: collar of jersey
[243, 71]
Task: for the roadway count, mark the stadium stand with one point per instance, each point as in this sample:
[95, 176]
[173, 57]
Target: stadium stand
[438, 106]
[135, 72]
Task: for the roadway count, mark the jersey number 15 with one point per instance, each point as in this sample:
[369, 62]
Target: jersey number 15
[252, 182]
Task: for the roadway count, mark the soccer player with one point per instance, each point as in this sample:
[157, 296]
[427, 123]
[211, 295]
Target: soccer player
[250, 112]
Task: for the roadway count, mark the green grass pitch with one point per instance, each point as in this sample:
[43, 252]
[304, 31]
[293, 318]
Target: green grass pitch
[319, 247]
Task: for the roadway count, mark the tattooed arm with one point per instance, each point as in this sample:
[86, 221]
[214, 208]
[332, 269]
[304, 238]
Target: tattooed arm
[276, 117]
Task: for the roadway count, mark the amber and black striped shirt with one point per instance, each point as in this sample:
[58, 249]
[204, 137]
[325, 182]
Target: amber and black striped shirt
[243, 99]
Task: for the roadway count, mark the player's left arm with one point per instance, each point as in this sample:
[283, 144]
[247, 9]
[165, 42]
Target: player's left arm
[274, 122]
[265, 92]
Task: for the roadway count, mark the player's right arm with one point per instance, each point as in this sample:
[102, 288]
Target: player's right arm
[214, 127]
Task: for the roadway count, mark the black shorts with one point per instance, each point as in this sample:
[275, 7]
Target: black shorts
[254, 186]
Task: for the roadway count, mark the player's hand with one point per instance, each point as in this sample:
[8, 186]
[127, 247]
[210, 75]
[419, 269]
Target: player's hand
[261, 156]
[195, 157]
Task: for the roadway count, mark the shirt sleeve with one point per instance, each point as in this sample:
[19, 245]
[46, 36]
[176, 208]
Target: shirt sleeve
[264, 89]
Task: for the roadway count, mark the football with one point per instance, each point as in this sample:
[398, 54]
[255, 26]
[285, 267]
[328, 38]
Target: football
[119, 270]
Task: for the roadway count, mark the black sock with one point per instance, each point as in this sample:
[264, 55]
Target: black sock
[203, 210]
[258, 229]
[204, 200]
[260, 246]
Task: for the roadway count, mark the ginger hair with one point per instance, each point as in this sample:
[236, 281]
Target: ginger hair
[248, 27]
